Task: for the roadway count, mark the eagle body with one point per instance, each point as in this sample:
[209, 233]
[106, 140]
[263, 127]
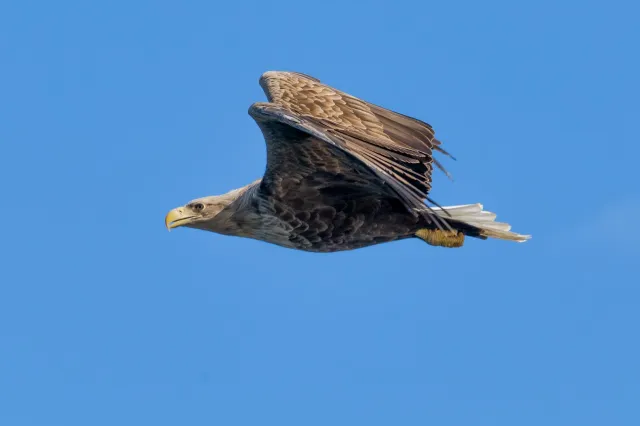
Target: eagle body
[341, 174]
[324, 222]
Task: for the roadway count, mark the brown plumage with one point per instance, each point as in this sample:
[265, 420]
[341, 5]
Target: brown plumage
[341, 174]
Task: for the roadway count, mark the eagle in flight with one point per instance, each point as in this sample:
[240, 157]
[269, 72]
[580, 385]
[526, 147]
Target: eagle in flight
[341, 174]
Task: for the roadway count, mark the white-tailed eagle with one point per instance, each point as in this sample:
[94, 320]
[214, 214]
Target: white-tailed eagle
[341, 174]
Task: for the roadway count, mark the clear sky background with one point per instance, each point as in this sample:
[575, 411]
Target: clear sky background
[112, 113]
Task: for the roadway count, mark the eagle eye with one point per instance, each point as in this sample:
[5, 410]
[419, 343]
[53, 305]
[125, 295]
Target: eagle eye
[198, 207]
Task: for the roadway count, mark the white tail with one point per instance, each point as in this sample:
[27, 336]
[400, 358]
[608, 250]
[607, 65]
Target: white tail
[472, 214]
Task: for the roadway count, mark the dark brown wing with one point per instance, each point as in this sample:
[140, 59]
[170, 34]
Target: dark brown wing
[399, 149]
[298, 151]
[373, 125]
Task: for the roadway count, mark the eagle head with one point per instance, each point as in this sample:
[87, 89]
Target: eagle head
[198, 213]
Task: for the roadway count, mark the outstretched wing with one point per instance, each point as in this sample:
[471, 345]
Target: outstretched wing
[397, 148]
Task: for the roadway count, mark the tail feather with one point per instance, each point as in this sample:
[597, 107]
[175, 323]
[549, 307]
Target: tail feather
[483, 221]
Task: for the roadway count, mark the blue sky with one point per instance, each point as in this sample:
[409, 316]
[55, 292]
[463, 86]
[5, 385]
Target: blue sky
[112, 113]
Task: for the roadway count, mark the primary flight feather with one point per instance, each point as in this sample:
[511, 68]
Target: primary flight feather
[341, 174]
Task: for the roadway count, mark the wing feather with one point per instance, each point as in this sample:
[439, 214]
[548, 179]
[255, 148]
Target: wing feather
[368, 127]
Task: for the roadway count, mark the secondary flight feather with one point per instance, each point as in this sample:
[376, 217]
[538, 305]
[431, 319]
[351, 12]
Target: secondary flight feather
[341, 174]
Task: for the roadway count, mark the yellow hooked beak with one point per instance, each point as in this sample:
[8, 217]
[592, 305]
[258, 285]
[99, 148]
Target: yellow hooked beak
[177, 217]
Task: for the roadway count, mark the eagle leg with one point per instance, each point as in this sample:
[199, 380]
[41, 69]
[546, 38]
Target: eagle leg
[441, 237]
